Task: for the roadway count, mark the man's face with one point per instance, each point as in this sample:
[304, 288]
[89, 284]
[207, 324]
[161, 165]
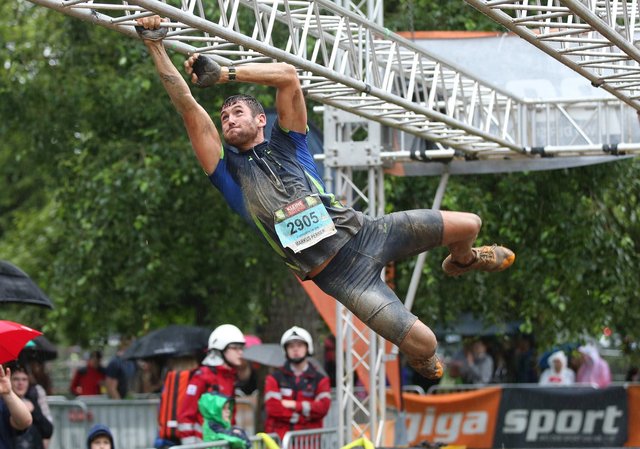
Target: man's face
[296, 349]
[479, 349]
[239, 127]
[557, 364]
[20, 383]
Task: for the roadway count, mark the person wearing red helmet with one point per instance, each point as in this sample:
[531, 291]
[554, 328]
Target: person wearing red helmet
[216, 374]
[297, 396]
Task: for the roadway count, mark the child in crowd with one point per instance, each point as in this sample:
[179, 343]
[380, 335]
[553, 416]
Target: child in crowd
[100, 437]
[216, 411]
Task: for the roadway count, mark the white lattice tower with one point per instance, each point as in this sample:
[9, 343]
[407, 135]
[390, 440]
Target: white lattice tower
[600, 39]
[360, 412]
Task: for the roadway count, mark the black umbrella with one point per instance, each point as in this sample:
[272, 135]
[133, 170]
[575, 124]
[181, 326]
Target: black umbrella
[39, 349]
[16, 286]
[171, 341]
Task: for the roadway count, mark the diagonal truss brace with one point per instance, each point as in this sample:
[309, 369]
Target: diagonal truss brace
[599, 39]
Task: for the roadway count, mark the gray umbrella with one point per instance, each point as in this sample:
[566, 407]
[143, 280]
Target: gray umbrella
[17, 287]
[271, 354]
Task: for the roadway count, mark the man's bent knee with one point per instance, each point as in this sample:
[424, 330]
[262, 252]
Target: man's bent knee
[420, 348]
[459, 226]
[419, 343]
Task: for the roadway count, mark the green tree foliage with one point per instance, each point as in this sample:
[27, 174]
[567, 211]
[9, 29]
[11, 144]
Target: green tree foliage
[428, 15]
[103, 201]
[576, 234]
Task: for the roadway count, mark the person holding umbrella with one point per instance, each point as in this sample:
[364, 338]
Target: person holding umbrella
[14, 414]
[41, 429]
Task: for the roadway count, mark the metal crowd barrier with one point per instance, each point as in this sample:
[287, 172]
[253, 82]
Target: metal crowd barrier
[133, 422]
[256, 443]
[417, 389]
[69, 423]
[444, 389]
[326, 438]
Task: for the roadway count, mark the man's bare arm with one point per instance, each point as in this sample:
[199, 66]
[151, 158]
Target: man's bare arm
[290, 103]
[112, 388]
[203, 134]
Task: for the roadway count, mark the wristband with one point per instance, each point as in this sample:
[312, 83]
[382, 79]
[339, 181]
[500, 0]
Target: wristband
[232, 73]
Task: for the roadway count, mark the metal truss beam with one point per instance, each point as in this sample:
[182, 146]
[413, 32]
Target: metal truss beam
[599, 39]
[346, 61]
[353, 64]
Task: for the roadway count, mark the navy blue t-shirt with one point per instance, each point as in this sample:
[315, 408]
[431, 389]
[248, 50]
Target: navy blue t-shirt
[7, 432]
[264, 179]
[123, 371]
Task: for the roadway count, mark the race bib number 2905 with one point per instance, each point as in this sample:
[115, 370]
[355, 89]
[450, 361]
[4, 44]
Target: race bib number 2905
[303, 223]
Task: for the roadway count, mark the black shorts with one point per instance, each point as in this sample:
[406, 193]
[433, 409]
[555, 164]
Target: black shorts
[353, 277]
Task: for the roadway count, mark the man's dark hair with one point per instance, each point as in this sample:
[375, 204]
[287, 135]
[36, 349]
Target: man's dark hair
[253, 104]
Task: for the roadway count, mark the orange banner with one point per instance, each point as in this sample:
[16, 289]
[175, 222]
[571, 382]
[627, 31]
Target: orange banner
[326, 306]
[633, 408]
[467, 419]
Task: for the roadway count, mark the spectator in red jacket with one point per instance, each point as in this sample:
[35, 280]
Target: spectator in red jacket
[89, 380]
[297, 396]
[216, 374]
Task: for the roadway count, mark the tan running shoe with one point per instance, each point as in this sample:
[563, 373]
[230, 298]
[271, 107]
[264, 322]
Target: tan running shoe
[488, 258]
[430, 368]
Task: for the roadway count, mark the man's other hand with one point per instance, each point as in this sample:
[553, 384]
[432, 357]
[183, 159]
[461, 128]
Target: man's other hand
[149, 28]
[203, 70]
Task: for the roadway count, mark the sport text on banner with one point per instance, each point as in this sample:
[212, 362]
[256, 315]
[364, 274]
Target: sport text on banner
[562, 417]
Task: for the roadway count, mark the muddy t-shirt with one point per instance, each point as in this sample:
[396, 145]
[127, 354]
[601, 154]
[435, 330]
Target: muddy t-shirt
[260, 183]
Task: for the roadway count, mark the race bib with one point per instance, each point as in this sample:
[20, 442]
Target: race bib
[303, 223]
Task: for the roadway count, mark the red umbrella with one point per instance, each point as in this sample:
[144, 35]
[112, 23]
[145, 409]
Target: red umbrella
[13, 337]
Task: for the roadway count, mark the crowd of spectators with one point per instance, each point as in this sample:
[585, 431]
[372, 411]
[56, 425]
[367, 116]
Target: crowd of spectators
[296, 395]
[516, 359]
